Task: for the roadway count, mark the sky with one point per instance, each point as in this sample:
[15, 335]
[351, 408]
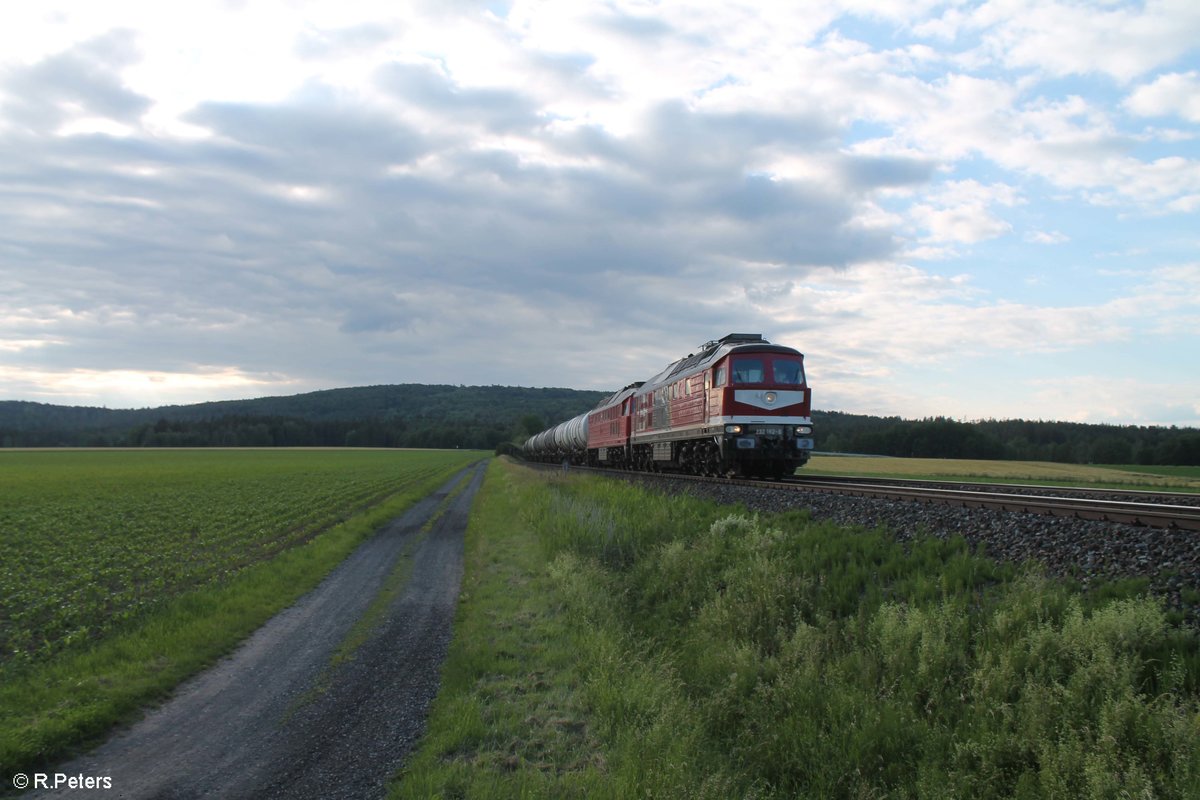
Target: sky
[965, 209]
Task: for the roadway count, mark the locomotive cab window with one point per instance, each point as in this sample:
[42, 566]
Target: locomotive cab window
[719, 380]
[789, 373]
[748, 370]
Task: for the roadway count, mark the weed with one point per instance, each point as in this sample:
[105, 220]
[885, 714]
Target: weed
[716, 653]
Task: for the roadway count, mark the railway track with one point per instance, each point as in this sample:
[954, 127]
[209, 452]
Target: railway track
[1168, 511]
[1161, 510]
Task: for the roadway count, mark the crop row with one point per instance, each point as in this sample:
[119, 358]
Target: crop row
[91, 539]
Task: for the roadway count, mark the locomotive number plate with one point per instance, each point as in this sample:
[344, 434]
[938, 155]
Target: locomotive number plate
[770, 431]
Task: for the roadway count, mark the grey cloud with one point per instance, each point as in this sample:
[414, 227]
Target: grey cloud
[652, 220]
[766, 292]
[317, 135]
[379, 313]
[757, 196]
[185, 252]
[497, 109]
[85, 76]
[608, 195]
[680, 141]
[864, 173]
[566, 69]
[635, 27]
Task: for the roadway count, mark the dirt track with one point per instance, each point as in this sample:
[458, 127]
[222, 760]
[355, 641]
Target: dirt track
[281, 716]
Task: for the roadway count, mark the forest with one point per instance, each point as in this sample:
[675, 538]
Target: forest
[488, 417]
[398, 415]
[1010, 440]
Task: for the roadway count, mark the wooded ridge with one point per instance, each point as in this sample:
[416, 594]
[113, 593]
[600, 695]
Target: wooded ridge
[484, 417]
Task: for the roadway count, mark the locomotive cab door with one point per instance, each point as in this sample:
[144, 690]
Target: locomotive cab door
[707, 395]
[714, 379]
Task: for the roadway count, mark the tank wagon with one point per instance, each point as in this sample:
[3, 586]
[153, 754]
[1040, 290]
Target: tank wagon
[738, 406]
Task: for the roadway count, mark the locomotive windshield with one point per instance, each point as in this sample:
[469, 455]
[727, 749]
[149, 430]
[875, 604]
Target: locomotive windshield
[789, 373]
[748, 370]
[782, 371]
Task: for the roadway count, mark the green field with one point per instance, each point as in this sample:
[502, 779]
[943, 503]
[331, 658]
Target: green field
[123, 571]
[1173, 479]
[89, 539]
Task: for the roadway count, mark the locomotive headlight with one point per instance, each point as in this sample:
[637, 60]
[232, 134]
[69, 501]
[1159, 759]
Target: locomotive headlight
[803, 430]
[733, 428]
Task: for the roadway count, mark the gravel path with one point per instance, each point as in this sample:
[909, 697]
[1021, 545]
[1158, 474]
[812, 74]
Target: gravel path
[281, 716]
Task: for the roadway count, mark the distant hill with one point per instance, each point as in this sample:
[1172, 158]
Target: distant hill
[419, 415]
[416, 415]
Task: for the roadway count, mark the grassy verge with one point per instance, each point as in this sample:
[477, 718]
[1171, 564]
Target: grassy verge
[1174, 479]
[51, 706]
[616, 643]
[508, 721]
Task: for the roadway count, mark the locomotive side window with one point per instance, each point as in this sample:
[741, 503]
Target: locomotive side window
[720, 379]
[748, 370]
[790, 373]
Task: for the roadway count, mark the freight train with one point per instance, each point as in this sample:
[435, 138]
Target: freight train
[738, 406]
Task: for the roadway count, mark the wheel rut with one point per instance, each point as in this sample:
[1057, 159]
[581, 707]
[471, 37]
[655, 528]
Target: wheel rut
[328, 697]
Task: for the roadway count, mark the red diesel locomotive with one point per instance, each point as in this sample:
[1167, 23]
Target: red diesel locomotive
[738, 406]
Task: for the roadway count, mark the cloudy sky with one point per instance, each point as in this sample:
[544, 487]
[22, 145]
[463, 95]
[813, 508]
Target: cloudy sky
[971, 209]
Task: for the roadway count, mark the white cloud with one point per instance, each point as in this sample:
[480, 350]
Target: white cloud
[17, 345]
[959, 211]
[1070, 142]
[868, 325]
[1117, 400]
[140, 388]
[1188, 204]
[1067, 38]
[965, 223]
[1172, 94]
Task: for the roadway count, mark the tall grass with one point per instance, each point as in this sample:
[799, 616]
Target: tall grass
[722, 654]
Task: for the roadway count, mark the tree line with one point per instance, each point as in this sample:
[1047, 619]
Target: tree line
[486, 417]
[1013, 440]
[396, 415]
[274, 431]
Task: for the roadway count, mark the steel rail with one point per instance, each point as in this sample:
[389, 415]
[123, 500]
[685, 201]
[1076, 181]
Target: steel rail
[1172, 498]
[1154, 515]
